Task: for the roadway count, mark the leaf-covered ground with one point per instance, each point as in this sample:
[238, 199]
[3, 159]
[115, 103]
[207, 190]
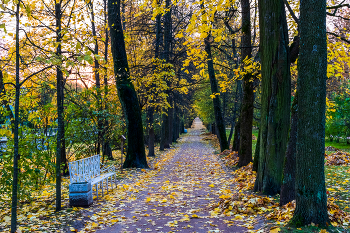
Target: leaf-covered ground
[188, 189]
[179, 195]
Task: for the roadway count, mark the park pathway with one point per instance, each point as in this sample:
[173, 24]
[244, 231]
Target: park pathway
[178, 197]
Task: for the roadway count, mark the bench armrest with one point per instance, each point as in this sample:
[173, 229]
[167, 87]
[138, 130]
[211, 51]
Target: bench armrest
[105, 168]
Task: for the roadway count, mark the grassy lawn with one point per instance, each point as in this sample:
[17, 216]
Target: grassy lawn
[255, 132]
[342, 145]
[337, 177]
[338, 185]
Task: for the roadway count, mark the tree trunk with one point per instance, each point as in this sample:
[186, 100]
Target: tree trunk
[162, 134]
[170, 120]
[176, 123]
[311, 198]
[136, 156]
[97, 80]
[60, 120]
[214, 90]
[166, 57]
[150, 112]
[275, 110]
[288, 181]
[216, 101]
[245, 147]
[15, 133]
[166, 130]
[257, 154]
[106, 148]
[234, 117]
[236, 136]
[64, 160]
[4, 101]
[150, 132]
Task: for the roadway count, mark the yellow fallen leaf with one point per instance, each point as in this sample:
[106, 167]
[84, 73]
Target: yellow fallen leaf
[148, 199]
[164, 200]
[275, 230]
[7, 219]
[194, 216]
[94, 224]
[211, 185]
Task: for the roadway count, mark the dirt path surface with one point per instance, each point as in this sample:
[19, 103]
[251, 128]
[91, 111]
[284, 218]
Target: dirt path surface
[174, 197]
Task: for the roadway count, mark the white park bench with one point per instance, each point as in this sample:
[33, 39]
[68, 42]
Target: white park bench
[89, 169]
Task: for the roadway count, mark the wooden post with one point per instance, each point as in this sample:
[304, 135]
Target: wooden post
[122, 152]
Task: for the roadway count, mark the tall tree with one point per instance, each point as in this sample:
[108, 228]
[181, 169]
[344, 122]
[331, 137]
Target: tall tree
[165, 135]
[247, 107]
[136, 156]
[60, 117]
[106, 148]
[311, 198]
[97, 79]
[219, 120]
[150, 110]
[275, 111]
[15, 132]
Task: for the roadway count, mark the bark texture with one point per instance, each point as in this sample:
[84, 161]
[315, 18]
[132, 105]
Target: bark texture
[136, 156]
[257, 154]
[288, 182]
[276, 92]
[247, 108]
[236, 136]
[311, 198]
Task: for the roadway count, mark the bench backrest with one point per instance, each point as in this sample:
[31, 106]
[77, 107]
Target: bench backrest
[84, 169]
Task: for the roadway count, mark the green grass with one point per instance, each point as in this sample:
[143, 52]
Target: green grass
[255, 132]
[338, 185]
[312, 229]
[342, 145]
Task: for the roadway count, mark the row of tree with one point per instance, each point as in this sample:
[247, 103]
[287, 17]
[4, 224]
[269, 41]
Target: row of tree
[164, 53]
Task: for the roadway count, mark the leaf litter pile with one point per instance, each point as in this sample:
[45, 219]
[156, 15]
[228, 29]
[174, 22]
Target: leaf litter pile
[249, 203]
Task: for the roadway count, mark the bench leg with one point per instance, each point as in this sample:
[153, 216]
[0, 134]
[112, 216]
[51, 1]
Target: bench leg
[96, 186]
[102, 187]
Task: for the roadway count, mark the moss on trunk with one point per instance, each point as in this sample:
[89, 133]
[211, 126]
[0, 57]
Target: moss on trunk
[275, 111]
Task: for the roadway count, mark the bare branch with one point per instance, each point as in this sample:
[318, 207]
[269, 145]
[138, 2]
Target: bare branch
[24, 80]
[339, 37]
[291, 11]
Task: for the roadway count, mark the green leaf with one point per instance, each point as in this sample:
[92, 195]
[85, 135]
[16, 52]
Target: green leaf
[2, 25]
[29, 11]
[88, 58]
